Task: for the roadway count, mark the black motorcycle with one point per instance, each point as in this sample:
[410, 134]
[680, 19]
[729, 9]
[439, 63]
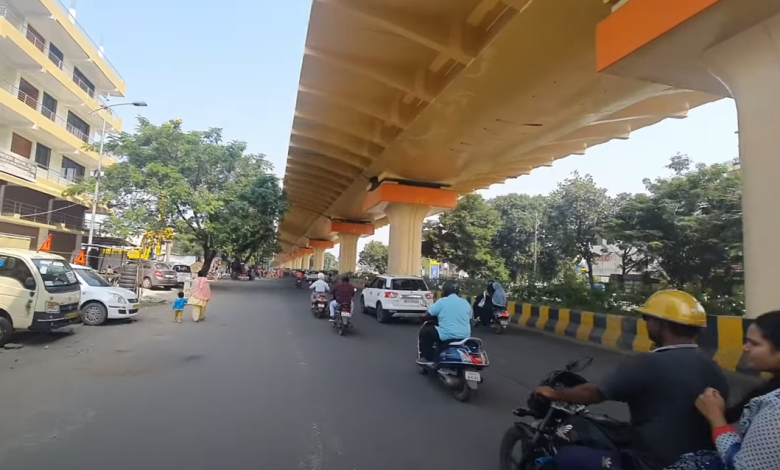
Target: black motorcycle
[299, 283]
[533, 446]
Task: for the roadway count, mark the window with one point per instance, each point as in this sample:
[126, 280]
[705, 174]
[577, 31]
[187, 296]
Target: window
[14, 268]
[71, 170]
[91, 278]
[28, 94]
[56, 55]
[49, 106]
[36, 38]
[83, 82]
[57, 275]
[42, 156]
[162, 267]
[78, 127]
[21, 146]
[409, 285]
[180, 268]
[379, 283]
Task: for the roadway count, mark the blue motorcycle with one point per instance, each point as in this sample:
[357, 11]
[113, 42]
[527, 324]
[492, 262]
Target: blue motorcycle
[458, 365]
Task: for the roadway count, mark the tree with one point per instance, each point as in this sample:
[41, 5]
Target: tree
[331, 263]
[630, 234]
[209, 190]
[464, 235]
[579, 212]
[374, 257]
[517, 239]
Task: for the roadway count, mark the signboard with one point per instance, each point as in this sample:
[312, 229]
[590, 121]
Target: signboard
[435, 269]
[187, 289]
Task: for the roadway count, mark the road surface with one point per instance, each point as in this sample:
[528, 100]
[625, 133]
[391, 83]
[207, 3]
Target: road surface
[260, 385]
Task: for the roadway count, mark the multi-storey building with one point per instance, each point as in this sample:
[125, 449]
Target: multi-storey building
[54, 80]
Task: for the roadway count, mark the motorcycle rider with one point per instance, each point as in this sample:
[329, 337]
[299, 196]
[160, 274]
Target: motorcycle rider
[342, 294]
[454, 315]
[491, 299]
[319, 287]
[660, 389]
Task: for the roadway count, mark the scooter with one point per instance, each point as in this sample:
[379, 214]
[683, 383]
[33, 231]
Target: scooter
[458, 365]
[298, 283]
[343, 319]
[556, 425]
[500, 320]
[320, 305]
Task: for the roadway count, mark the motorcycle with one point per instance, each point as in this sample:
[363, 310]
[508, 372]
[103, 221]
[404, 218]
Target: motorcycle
[298, 283]
[320, 305]
[457, 365]
[500, 320]
[557, 425]
[342, 320]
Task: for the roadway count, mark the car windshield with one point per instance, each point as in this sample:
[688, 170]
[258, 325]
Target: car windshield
[408, 284]
[57, 275]
[182, 269]
[91, 278]
[162, 266]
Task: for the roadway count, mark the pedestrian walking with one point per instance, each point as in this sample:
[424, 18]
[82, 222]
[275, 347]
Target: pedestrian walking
[199, 300]
[178, 307]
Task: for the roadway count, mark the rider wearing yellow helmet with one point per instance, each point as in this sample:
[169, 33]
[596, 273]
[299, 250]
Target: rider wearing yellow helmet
[660, 389]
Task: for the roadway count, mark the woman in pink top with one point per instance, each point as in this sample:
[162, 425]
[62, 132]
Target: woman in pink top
[199, 299]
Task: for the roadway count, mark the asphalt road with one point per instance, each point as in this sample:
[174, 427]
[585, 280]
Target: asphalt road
[260, 385]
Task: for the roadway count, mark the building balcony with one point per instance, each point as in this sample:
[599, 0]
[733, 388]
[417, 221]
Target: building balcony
[25, 172]
[20, 110]
[38, 215]
[30, 54]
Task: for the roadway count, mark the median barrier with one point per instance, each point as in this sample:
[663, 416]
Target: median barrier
[722, 339]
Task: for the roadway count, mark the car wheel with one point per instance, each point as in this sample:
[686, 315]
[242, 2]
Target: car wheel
[6, 331]
[94, 314]
[146, 283]
[380, 313]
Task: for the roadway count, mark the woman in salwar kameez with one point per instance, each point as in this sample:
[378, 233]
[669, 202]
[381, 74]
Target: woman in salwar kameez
[199, 299]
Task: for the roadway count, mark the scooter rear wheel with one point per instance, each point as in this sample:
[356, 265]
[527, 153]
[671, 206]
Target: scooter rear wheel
[462, 394]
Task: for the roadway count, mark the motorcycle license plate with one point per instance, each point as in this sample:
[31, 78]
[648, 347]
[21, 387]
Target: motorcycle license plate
[472, 376]
[346, 314]
[504, 323]
[321, 305]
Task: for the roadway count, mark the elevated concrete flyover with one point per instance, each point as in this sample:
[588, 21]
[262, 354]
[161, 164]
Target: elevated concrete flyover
[404, 105]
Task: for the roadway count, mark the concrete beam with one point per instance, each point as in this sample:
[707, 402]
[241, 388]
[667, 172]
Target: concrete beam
[384, 112]
[329, 151]
[348, 143]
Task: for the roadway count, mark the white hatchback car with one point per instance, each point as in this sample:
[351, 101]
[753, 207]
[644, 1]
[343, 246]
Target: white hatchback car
[100, 301]
[396, 297]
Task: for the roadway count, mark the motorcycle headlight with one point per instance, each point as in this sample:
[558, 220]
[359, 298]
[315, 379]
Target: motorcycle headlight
[119, 299]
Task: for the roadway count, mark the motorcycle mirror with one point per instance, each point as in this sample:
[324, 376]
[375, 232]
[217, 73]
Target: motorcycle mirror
[578, 365]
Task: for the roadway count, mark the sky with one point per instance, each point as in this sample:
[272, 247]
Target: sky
[235, 64]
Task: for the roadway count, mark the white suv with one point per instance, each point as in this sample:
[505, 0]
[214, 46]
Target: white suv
[396, 297]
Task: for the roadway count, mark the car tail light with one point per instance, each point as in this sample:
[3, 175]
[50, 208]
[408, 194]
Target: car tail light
[391, 295]
[429, 296]
[158, 274]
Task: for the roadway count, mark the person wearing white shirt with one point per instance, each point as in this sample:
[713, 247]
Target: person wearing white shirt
[319, 286]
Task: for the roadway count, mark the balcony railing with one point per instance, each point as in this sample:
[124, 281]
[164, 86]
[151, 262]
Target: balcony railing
[31, 213]
[84, 32]
[19, 24]
[27, 169]
[38, 106]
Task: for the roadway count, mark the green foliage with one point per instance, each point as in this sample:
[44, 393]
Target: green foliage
[374, 257]
[516, 240]
[331, 263]
[212, 192]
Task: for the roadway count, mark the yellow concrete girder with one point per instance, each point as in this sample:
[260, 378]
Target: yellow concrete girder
[418, 83]
[346, 142]
[330, 151]
[348, 122]
[395, 113]
[317, 173]
[298, 156]
[450, 38]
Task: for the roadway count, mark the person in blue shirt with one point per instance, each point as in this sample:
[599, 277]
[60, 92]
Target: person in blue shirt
[178, 307]
[454, 315]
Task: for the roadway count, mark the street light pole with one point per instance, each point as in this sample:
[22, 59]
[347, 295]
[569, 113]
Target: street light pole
[536, 238]
[100, 163]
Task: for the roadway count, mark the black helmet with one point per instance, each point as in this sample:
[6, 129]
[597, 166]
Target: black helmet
[450, 288]
[345, 278]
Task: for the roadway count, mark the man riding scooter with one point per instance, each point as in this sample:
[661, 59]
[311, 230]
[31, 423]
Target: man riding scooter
[454, 318]
[342, 294]
[319, 287]
[660, 389]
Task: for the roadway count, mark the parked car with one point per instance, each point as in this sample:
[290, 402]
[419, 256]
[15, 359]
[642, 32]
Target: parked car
[183, 273]
[38, 292]
[100, 301]
[396, 297]
[158, 274]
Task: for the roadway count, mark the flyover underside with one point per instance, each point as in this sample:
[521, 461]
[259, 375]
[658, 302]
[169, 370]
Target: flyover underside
[464, 94]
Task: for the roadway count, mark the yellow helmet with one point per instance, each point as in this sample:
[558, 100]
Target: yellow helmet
[675, 306]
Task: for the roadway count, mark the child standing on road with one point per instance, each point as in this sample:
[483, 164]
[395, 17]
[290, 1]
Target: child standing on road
[178, 307]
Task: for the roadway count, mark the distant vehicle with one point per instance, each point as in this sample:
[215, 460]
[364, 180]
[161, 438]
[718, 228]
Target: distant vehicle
[158, 274]
[38, 292]
[100, 301]
[396, 297]
[183, 273]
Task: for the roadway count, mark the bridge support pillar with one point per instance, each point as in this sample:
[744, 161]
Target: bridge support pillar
[406, 207]
[319, 252]
[749, 65]
[349, 233]
[306, 261]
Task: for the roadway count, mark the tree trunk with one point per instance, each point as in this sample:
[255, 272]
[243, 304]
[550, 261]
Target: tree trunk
[589, 262]
[208, 258]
